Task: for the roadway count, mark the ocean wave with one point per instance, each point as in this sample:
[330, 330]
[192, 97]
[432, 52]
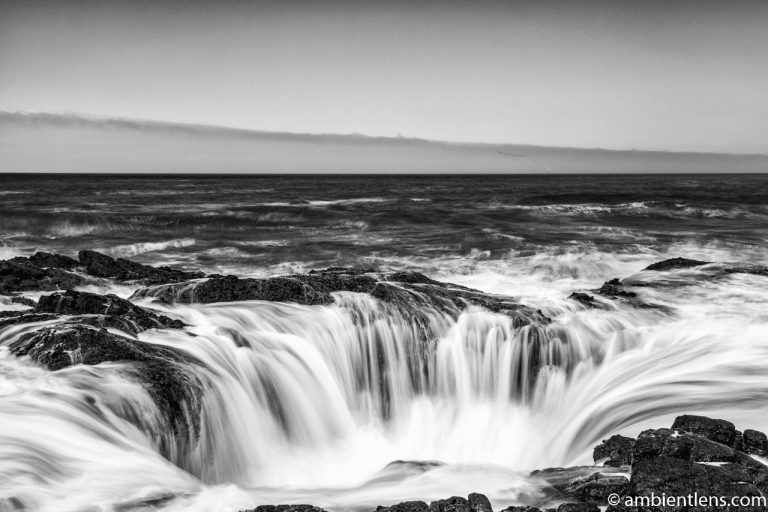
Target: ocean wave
[72, 229]
[128, 250]
[345, 202]
[280, 217]
[264, 243]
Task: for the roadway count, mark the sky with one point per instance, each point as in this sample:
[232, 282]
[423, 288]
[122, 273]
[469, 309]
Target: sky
[672, 76]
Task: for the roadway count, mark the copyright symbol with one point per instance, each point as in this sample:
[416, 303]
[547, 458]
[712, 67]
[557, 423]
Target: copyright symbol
[614, 499]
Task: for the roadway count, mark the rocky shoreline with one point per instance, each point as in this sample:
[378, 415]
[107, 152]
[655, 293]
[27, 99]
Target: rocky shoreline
[66, 326]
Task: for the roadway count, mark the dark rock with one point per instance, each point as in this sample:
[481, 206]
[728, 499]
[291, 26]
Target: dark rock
[755, 442]
[164, 372]
[720, 431]
[452, 504]
[22, 317]
[583, 298]
[521, 509]
[25, 301]
[617, 450]
[46, 259]
[673, 263]
[677, 477]
[124, 314]
[405, 506]
[285, 508]
[615, 288]
[682, 445]
[408, 291]
[101, 265]
[20, 274]
[578, 507]
[479, 503]
[597, 488]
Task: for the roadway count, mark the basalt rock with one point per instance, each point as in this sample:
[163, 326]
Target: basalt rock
[405, 506]
[48, 260]
[720, 431]
[755, 442]
[578, 507]
[583, 298]
[521, 509]
[101, 265]
[597, 487]
[616, 451]
[20, 274]
[674, 263]
[615, 288]
[452, 504]
[410, 291]
[285, 508]
[164, 372]
[119, 313]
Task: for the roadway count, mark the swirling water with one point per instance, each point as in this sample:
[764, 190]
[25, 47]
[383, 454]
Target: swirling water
[317, 403]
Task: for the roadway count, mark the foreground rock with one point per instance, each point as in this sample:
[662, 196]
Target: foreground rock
[409, 291]
[164, 372]
[674, 263]
[101, 265]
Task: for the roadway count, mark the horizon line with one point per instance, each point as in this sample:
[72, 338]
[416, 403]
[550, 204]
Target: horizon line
[356, 137]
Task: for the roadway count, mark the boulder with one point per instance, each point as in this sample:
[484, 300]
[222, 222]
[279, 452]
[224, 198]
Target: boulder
[20, 274]
[720, 431]
[452, 504]
[517, 508]
[122, 314]
[405, 506]
[617, 451]
[479, 503]
[48, 260]
[285, 508]
[578, 507]
[682, 445]
[164, 372]
[583, 298]
[101, 265]
[755, 442]
[674, 263]
[597, 487]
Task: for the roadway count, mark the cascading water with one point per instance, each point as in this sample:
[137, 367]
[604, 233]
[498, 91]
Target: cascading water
[314, 403]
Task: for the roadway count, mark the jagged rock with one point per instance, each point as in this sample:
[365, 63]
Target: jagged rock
[677, 477]
[720, 431]
[123, 314]
[20, 274]
[24, 301]
[673, 263]
[164, 372]
[410, 291]
[615, 288]
[521, 509]
[101, 265]
[405, 506]
[583, 298]
[755, 442]
[617, 450]
[479, 503]
[46, 259]
[682, 445]
[452, 504]
[285, 508]
[597, 487]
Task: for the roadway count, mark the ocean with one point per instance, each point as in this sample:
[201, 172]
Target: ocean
[67, 442]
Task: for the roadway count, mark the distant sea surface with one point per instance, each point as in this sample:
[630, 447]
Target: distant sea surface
[273, 224]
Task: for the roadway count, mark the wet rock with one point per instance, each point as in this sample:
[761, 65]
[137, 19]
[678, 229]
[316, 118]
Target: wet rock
[101, 265]
[521, 509]
[674, 263]
[678, 477]
[410, 292]
[405, 506]
[20, 274]
[755, 442]
[583, 298]
[617, 451]
[479, 503]
[22, 317]
[720, 431]
[164, 372]
[285, 508]
[682, 445]
[452, 504]
[615, 288]
[597, 488]
[24, 301]
[46, 259]
[123, 314]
